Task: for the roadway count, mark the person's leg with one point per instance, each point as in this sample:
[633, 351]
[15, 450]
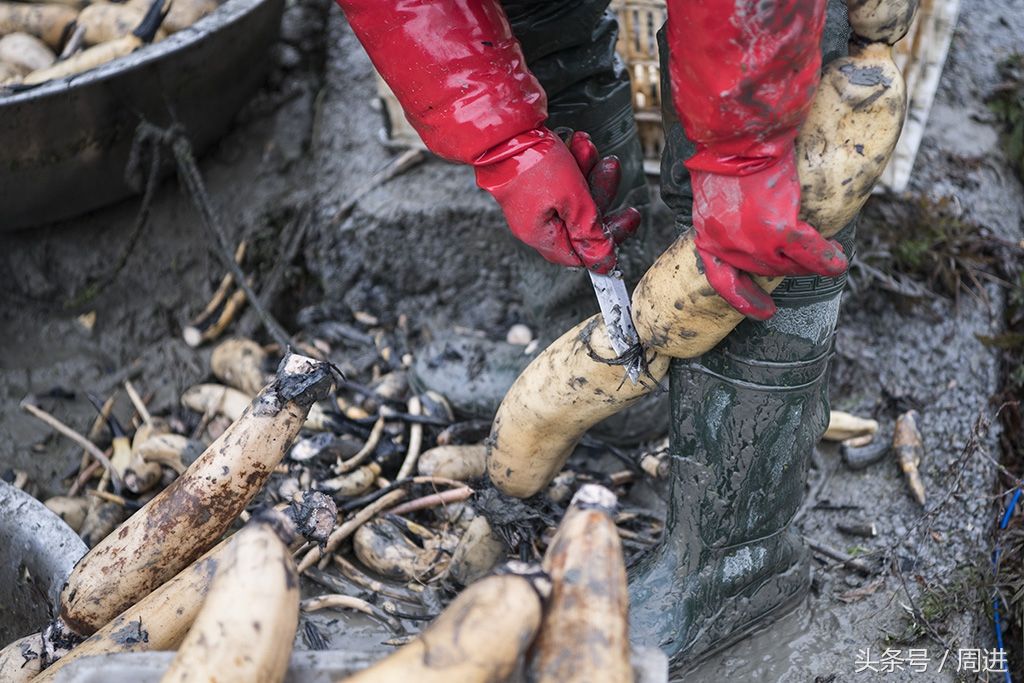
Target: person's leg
[570, 48]
[745, 417]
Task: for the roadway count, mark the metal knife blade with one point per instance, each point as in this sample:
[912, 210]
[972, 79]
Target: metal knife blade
[618, 317]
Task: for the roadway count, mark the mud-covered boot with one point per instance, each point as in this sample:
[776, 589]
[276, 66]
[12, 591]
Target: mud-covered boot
[745, 418]
[570, 48]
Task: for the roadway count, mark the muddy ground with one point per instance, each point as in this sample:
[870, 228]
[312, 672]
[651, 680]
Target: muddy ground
[431, 246]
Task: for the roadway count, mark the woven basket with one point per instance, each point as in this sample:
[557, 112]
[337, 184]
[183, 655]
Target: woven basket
[639, 23]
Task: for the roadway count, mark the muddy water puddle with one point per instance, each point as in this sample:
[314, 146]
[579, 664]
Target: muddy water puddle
[804, 641]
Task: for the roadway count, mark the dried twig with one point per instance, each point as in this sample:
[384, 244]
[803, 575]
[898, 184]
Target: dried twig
[434, 499]
[415, 440]
[140, 405]
[366, 451]
[356, 503]
[204, 326]
[113, 498]
[338, 601]
[84, 475]
[916, 611]
[353, 574]
[854, 563]
[70, 433]
[98, 423]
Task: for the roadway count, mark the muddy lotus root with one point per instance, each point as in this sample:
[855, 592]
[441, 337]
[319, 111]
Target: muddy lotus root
[842, 149]
[184, 520]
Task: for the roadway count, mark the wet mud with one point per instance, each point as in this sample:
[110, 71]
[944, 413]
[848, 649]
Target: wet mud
[432, 246]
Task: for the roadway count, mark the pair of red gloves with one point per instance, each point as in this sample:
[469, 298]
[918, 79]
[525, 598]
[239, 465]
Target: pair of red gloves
[743, 74]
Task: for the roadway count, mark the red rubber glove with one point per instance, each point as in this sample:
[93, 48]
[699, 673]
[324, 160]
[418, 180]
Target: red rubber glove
[603, 176]
[462, 80]
[748, 224]
[547, 200]
[743, 75]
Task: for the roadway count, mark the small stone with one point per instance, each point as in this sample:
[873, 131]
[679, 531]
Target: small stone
[298, 23]
[286, 56]
[87, 320]
[519, 334]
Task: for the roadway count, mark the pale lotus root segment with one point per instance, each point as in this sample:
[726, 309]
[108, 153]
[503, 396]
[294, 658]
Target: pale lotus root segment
[245, 629]
[881, 21]
[188, 517]
[565, 391]
[584, 637]
[842, 149]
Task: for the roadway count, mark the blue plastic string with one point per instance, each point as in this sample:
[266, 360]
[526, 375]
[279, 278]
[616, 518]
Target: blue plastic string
[1003, 523]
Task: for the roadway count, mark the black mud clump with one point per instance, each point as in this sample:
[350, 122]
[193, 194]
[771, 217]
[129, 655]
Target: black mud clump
[304, 388]
[131, 634]
[58, 640]
[517, 521]
[314, 516]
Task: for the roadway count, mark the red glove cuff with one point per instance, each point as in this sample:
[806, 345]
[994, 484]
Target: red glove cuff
[746, 159]
[514, 146]
[456, 68]
[510, 159]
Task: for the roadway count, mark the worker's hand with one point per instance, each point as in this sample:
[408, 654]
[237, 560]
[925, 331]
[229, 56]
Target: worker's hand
[542, 187]
[603, 175]
[748, 224]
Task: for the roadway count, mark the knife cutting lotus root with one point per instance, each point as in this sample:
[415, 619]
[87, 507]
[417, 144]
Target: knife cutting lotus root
[843, 147]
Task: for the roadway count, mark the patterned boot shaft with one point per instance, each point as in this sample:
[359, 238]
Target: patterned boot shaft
[746, 415]
[745, 418]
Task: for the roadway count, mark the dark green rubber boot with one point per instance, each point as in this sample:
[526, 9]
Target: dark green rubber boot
[745, 418]
[570, 47]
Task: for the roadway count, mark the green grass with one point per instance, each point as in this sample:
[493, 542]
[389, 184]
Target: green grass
[1007, 103]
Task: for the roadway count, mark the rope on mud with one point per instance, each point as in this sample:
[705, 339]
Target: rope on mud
[141, 144]
[188, 172]
[291, 239]
[174, 138]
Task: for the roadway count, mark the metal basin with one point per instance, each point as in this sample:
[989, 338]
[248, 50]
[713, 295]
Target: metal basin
[64, 145]
[650, 665]
[38, 552]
